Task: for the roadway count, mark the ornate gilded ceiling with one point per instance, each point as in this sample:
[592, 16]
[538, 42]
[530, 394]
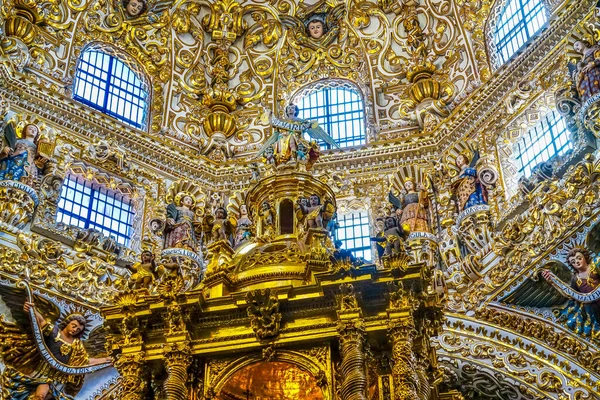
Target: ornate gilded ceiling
[423, 69]
[216, 70]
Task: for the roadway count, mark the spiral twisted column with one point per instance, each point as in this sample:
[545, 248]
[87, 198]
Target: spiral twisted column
[352, 342]
[177, 361]
[404, 371]
[130, 367]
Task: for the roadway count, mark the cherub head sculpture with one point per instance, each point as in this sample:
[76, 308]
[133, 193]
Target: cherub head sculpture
[316, 26]
[135, 8]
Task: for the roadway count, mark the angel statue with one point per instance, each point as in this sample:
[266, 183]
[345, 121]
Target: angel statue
[316, 27]
[411, 206]
[287, 134]
[582, 317]
[48, 363]
[467, 188]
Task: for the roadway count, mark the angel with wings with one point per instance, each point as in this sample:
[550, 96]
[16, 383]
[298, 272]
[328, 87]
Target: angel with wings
[48, 362]
[287, 135]
[576, 305]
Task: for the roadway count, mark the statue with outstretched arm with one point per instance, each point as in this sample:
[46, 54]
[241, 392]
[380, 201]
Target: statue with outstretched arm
[50, 361]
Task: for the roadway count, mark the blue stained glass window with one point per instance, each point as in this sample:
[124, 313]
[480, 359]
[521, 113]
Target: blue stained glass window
[87, 205]
[339, 111]
[520, 21]
[548, 138]
[354, 232]
[105, 83]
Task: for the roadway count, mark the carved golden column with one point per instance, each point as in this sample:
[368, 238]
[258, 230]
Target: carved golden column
[130, 367]
[401, 331]
[177, 352]
[406, 380]
[352, 342]
[177, 361]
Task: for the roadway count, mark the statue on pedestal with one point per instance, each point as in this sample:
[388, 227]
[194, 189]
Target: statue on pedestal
[588, 69]
[181, 222]
[411, 206]
[241, 221]
[467, 188]
[184, 212]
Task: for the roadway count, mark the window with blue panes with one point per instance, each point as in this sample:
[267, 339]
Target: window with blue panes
[520, 21]
[107, 84]
[88, 205]
[355, 234]
[339, 111]
[549, 137]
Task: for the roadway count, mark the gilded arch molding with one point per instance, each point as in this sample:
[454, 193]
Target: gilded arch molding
[538, 368]
[316, 361]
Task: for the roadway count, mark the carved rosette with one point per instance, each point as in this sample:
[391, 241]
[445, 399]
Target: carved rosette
[177, 361]
[130, 367]
[17, 204]
[352, 342]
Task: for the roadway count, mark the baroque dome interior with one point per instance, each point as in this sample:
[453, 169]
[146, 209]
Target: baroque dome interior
[278, 199]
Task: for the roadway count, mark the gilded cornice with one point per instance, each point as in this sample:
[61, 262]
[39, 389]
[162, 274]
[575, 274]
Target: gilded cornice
[153, 151]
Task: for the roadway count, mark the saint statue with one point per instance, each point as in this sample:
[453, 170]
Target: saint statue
[243, 231]
[29, 375]
[582, 318]
[315, 214]
[18, 163]
[588, 69]
[467, 188]
[222, 228]
[392, 236]
[287, 135]
[181, 223]
[411, 206]
[267, 218]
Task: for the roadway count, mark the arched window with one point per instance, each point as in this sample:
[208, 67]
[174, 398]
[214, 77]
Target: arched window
[548, 138]
[519, 21]
[88, 205]
[354, 232]
[339, 110]
[105, 83]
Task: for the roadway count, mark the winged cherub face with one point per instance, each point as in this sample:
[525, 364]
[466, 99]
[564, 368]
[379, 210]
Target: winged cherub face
[135, 7]
[315, 29]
